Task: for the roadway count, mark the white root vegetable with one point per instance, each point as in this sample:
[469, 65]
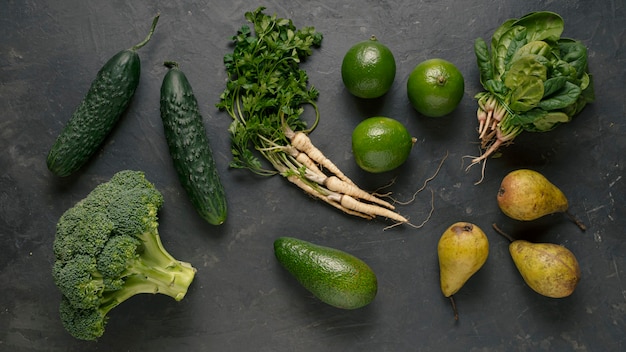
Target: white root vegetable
[312, 192]
[317, 192]
[345, 202]
[305, 160]
[303, 143]
[335, 184]
[353, 204]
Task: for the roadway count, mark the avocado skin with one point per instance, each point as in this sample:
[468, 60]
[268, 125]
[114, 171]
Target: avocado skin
[333, 276]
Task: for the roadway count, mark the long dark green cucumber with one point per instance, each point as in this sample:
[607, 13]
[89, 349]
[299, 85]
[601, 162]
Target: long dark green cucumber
[189, 146]
[108, 97]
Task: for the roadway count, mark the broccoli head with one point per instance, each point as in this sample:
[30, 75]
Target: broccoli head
[107, 249]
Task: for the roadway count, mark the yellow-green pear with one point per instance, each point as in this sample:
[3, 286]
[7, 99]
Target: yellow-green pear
[549, 269]
[527, 195]
[462, 250]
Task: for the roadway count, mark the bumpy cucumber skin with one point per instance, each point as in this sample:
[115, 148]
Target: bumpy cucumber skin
[333, 276]
[108, 97]
[190, 149]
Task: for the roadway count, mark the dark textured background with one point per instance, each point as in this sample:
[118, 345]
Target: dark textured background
[241, 299]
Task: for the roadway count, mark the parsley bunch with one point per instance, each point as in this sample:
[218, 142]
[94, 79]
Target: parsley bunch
[266, 90]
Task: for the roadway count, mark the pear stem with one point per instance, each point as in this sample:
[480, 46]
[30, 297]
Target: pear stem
[456, 312]
[576, 221]
[504, 234]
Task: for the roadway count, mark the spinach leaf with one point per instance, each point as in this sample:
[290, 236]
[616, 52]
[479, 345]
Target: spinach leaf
[588, 93]
[495, 38]
[539, 120]
[574, 53]
[509, 43]
[563, 68]
[496, 87]
[526, 94]
[586, 96]
[483, 60]
[585, 81]
[542, 25]
[523, 68]
[537, 47]
[525, 120]
[561, 99]
[551, 85]
[549, 120]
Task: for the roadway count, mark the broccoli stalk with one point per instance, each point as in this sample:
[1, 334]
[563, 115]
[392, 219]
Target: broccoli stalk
[108, 250]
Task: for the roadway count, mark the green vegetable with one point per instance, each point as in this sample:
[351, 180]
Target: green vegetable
[265, 94]
[96, 115]
[534, 79]
[189, 146]
[266, 90]
[334, 276]
[107, 249]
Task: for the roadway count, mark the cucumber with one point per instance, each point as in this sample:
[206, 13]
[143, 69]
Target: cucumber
[189, 147]
[108, 97]
[333, 276]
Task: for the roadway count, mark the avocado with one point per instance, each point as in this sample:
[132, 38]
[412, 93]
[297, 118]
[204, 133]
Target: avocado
[333, 276]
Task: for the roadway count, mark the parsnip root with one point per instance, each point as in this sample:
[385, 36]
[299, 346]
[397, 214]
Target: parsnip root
[303, 143]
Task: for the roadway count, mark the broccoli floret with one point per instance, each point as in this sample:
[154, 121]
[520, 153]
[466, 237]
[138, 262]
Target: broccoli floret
[107, 249]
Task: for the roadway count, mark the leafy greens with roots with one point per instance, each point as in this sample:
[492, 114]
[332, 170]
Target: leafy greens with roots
[534, 80]
[266, 92]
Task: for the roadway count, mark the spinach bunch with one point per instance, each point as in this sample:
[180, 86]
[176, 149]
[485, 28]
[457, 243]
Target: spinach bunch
[534, 79]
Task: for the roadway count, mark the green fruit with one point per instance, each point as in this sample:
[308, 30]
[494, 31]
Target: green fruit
[381, 144]
[528, 195]
[435, 87]
[189, 147]
[549, 269]
[368, 69]
[108, 97]
[333, 276]
[462, 250]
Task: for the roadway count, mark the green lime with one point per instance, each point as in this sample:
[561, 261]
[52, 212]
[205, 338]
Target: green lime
[435, 87]
[368, 69]
[381, 144]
